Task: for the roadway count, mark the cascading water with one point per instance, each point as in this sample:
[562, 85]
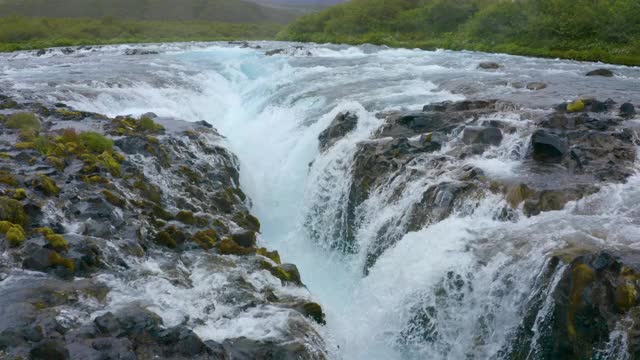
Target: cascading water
[457, 288]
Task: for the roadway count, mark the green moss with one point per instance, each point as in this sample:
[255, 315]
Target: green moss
[193, 176]
[5, 155]
[148, 191]
[25, 145]
[95, 179]
[11, 210]
[170, 237]
[43, 145]
[163, 238]
[230, 247]
[57, 260]
[22, 121]
[109, 163]
[277, 271]
[15, 235]
[95, 142]
[575, 106]
[47, 186]
[20, 194]
[205, 238]
[57, 242]
[161, 213]
[56, 162]
[114, 199]
[7, 179]
[44, 231]
[273, 255]
[626, 296]
[314, 311]
[186, 217]
[247, 221]
[148, 125]
[28, 134]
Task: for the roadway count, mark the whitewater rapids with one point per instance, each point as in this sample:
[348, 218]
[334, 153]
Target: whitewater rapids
[271, 110]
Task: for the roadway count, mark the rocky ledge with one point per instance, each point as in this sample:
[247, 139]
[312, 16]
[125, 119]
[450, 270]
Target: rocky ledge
[130, 238]
[564, 154]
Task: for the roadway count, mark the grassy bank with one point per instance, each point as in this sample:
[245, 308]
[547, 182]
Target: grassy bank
[22, 33]
[594, 30]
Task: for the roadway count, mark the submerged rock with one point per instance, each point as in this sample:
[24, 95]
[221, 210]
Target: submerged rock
[489, 65]
[600, 72]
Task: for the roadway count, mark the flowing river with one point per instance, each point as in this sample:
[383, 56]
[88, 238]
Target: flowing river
[271, 109]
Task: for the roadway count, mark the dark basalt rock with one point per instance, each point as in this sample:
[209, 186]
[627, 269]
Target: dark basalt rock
[548, 146]
[600, 72]
[627, 110]
[341, 125]
[482, 135]
[274, 52]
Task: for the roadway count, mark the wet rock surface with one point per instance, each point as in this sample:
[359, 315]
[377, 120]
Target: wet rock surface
[96, 212]
[581, 148]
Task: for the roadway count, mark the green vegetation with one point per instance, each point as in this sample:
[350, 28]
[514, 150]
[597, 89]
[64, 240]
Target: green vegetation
[206, 238]
[23, 121]
[21, 33]
[14, 233]
[604, 30]
[95, 142]
[46, 185]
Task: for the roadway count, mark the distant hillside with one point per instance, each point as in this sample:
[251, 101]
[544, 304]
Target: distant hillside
[605, 30]
[207, 10]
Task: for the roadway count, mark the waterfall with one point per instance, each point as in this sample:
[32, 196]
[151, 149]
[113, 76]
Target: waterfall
[451, 289]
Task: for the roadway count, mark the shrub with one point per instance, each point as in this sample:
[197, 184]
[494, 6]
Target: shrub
[23, 121]
[96, 143]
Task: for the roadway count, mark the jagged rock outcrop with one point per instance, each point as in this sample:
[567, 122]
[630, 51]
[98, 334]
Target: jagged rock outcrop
[95, 223]
[579, 146]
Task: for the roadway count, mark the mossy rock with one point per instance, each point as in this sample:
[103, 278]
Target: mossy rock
[287, 273]
[160, 213]
[230, 247]
[148, 191]
[12, 210]
[575, 106]
[247, 221]
[170, 237]
[57, 242]
[46, 185]
[314, 311]
[114, 199]
[20, 194]
[58, 260]
[7, 178]
[206, 238]
[95, 179]
[56, 162]
[273, 255]
[14, 233]
[186, 217]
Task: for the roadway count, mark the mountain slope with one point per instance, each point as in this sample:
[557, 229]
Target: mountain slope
[209, 10]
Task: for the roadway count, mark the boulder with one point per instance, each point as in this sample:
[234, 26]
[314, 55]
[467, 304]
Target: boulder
[627, 110]
[548, 146]
[482, 135]
[536, 86]
[489, 65]
[274, 52]
[600, 72]
[341, 125]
